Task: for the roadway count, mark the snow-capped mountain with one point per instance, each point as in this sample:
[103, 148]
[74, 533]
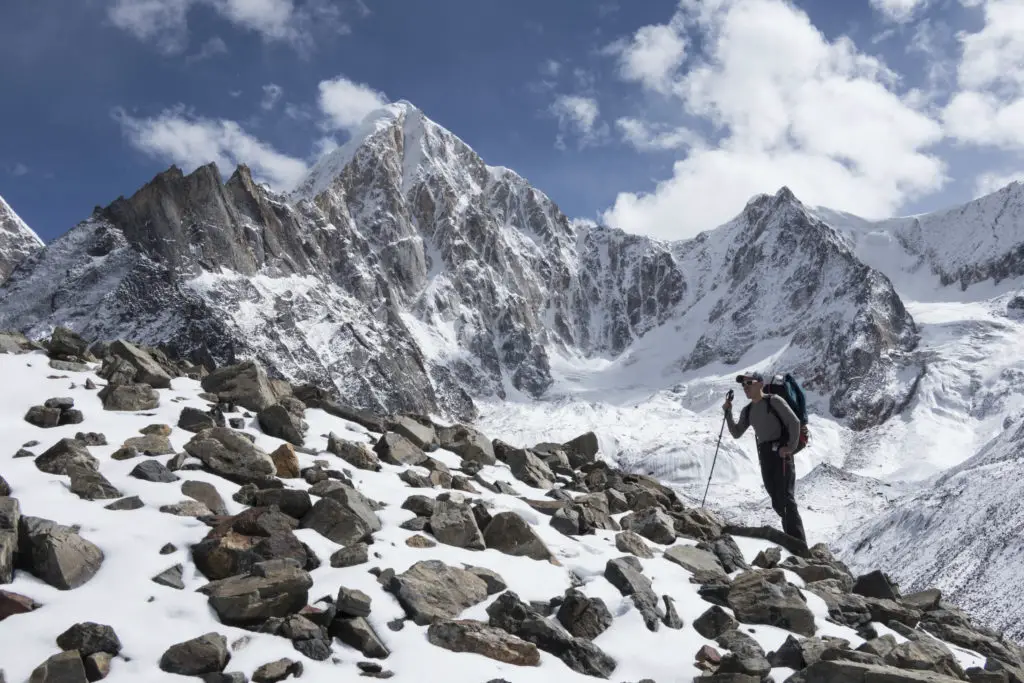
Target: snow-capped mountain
[17, 240]
[415, 277]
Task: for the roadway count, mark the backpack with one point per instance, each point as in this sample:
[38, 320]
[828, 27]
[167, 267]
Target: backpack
[786, 387]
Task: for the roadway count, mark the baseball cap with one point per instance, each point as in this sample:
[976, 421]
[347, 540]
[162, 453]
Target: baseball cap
[756, 376]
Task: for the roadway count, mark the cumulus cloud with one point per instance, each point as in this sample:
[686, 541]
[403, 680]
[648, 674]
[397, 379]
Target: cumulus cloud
[580, 115]
[346, 103]
[164, 23]
[988, 109]
[790, 108]
[648, 137]
[899, 11]
[176, 136]
[652, 57]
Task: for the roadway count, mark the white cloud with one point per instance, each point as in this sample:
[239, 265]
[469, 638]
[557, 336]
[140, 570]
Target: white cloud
[987, 183]
[346, 103]
[578, 114]
[646, 137]
[161, 22]
[550, 68]
[899, 11]
[652, 57]
[178, 137]
[271, 94]
[791, 108]
[165, 22]
[988, 109]
[19, 169]
[211, 48]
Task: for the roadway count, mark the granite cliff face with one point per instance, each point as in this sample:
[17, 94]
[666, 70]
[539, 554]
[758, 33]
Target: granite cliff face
[17, 240]
[412, 276]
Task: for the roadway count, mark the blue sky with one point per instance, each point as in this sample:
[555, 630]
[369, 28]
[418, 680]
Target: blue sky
[657, 116]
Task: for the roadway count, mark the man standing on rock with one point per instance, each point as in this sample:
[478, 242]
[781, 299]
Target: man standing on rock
[771, 424]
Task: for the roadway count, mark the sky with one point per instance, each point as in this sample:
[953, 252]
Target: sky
[659, 117]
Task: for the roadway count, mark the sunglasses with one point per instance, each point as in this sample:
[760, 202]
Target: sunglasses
[749, 382]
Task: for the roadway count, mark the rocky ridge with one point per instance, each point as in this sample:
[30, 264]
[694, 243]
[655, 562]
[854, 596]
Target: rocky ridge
[396, 532]
[413, 277]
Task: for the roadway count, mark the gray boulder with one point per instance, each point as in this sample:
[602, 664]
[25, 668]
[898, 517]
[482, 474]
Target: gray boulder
[653, 524]
[479, 638]
[359, 455]
[453, 523]
[56, 458]
[285, 420]
[231, 455]
[343, 516]
[513, 535]
[765, 597]
[57, 554]
[245, 384]
[89, 484]
[129, 397]
[206, 654]
[432, 591]
[276, 588]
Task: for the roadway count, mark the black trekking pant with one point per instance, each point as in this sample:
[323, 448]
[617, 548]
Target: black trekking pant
[780, 481]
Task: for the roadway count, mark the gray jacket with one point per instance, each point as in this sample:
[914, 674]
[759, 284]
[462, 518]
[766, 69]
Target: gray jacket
[766, 427]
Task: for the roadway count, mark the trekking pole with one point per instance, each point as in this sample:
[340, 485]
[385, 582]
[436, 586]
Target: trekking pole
[715, 459]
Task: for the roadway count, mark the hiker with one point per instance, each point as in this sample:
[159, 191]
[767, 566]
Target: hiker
[772, 418]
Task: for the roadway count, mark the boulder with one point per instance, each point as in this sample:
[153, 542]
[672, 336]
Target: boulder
[582, 450]
[420, 432]
[511, 614]
[89, 484]
[195, 420]
[64, 667]
[206, 654]
[150, 444]
[714, 622]
[478, 638]
[855, 672]
[453, 523]
[653, 524]
[358, 633]
[231, 455]
[275, 588]
[695, 559]
[129, 397]
[245, 384]
[584, 617]
[56, 458]
[395, 449]
[236, 544]
[284, 420]
[207, 494]
[277, 670]
[88, 638]
[286, 462]
[529, 469]
[432, 591]
[147, 370]
[765, 597]
[513, 535]
[153, 470]
[57, 554]
[295, 503]
[468, 443]
[14, 603]
[344, 516]
[66, 344]
[359, 455]
[630, 542]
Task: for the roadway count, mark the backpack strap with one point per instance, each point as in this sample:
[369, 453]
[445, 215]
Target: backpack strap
[784, 439]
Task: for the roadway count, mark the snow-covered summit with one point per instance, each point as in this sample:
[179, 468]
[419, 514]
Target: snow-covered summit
[17, 240]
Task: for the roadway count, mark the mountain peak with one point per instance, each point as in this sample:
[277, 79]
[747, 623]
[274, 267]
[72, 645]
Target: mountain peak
[17, 240]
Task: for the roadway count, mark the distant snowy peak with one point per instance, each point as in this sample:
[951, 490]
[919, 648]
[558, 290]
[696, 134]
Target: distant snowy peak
[980, 240]
[17, 240]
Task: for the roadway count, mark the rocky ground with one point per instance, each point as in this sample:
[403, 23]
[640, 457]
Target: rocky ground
[158, 520]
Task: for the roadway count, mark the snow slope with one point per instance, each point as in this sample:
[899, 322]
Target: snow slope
[17, 240]
[148, 618]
